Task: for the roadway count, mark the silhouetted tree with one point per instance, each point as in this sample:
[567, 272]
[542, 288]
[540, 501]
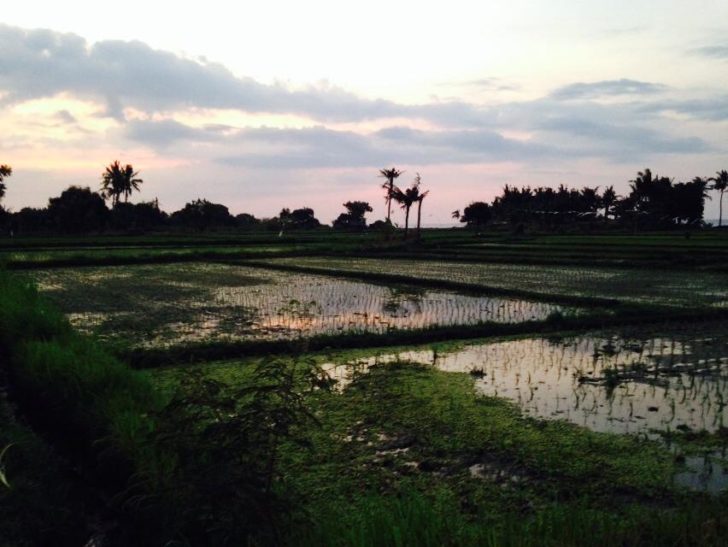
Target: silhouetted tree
[476, 215]
[202, 214]
[30, 220]
[246, 220]
[5, 171]
[609, 198]
[137, 216]
[687, 201]
[419, 198]
[302, 218]
[78, 210]
[720, 183]
[117, 181]
[353, 219]
[390, 175]
[650, 198]
[406, 199]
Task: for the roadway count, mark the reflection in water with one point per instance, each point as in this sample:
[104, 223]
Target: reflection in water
[338, 305]
[636, 384]
[161, 308]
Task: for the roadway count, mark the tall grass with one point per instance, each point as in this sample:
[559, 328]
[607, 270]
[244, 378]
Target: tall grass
[93, 406]
[416, 520]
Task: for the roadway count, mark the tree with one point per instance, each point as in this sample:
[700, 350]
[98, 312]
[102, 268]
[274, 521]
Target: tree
[390, 175]
[420, 198]
[609, 198]
[406, 199]
[5, 171]
[353, 219]
[117, 181]
[304, 218]
[137, 216]
[720, 183]
[202, 214]
[476, 215]
[688, 200]
[246, 220]
[78, 210]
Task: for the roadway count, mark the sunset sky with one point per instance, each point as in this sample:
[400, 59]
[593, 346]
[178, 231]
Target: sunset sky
[289, 104]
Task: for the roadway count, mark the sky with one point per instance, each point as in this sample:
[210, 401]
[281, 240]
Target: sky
[265, 105]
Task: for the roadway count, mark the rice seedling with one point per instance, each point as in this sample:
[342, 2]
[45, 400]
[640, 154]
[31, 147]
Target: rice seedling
[153, 306]
[647, 286]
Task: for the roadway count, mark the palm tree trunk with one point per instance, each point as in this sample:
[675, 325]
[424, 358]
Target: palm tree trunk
[720, 209]
[419, 216]
[406, 221]
[389, 201]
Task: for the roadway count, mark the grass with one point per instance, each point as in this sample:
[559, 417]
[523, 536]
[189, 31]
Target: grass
[95, 409]
[39, 501]
[407, 455]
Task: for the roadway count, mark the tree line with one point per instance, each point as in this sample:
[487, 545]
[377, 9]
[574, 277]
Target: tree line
[653, 202]
[79, 210]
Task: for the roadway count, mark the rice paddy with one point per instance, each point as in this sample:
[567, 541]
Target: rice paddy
[657, 286]
[638, 383]
[162, 305]
[575, 410]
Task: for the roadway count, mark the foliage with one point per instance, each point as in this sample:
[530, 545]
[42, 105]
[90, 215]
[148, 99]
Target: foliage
[78, 210]
[137, 217]
[227, 444]
[298, 219]
[407, 198]
[389, 187]
[653, 202]
[353, 219]
[38, 502]
[476, 215]
[246, 220]
[118, 180]
[201, 214]
[5, 171]
[720, 183]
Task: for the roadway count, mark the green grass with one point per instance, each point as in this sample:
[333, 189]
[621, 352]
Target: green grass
[39, 501]
[92, 406]
[391, 464]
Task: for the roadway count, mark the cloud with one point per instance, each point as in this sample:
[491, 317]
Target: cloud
[43, 63]
[65, 117]
[606, 88]
[622, 142]
[569, 123]
[712, 52]
[163, 133]
[319, 147]
[713, 109]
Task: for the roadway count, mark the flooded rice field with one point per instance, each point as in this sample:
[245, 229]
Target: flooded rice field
[636, 383]
[174, 304]
[648, 286]
[641, 382]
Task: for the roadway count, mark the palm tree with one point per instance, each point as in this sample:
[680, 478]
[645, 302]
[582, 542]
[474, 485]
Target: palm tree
[117, 181]
[720, 183]
[390, 175]
[420, 198]
[609, 198]
[5, 171]
[406, 199]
